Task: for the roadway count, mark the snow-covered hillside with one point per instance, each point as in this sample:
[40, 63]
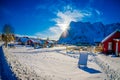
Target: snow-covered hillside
[85, 32]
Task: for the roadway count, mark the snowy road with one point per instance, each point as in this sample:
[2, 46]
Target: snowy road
[51, 64]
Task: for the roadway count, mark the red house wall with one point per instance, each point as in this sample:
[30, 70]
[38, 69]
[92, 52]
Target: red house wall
[111, 39]
[119, 46]
[29, 42]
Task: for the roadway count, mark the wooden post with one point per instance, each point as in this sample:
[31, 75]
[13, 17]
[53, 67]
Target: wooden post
[116, 49]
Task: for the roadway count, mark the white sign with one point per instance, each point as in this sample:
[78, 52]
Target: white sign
[83, 59]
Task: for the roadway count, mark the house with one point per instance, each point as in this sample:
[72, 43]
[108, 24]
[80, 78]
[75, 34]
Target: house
[33, 42]
[49, 43]
[22, 40]
[111, 44]
[0, 37]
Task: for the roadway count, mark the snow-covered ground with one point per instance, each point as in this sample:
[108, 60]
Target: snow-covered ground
[110, 64]
[51, 64]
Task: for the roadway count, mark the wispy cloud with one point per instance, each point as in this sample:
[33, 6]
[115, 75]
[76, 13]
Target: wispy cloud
[63, 20]
[98, 12]
[49, 34]
[65, 16]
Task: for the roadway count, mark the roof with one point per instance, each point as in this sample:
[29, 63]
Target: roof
[23, 39]
[110, 35]
[36, 41]
[51, 42]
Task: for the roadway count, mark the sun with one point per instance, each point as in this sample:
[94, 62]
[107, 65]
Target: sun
[65, 33]
[64, 27]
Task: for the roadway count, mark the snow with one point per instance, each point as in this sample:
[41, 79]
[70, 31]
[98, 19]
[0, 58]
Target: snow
[51, 64]
[110, 64]
[86, 32]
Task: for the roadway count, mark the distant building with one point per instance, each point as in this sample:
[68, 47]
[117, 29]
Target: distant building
[33, 42]
[0, 37]
[111, 44]
[22, 40]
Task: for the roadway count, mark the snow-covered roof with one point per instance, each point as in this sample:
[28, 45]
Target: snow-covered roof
[36, 41]
[23, 39]
[33, 40]
[110, 35]
[51, 42]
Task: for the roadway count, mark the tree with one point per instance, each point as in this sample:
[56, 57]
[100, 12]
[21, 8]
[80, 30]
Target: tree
[47, 38]
[8, 29]
[7, 35]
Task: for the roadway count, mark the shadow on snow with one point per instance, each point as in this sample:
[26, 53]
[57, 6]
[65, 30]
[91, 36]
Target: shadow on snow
[90, 70]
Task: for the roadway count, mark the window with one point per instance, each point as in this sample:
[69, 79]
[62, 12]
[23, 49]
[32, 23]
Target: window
[109, 45]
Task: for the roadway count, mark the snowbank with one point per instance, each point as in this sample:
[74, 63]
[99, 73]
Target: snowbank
[5, 70]
[23, 72]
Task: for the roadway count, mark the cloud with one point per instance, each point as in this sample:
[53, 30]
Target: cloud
[55, 29]
[98, 12]
[48, 33]
[63, 19]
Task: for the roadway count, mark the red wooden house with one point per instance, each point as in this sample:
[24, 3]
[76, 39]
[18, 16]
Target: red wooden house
[111, 44]
[34, 41]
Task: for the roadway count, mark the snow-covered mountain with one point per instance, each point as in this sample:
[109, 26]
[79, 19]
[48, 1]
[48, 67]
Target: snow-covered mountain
[85, 32]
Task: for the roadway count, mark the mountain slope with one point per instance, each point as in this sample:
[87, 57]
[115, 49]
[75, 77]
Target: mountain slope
[85, 32]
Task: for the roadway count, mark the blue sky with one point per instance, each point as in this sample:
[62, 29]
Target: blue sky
[49, 18]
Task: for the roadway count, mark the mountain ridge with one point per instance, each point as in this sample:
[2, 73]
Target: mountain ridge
[86, 32]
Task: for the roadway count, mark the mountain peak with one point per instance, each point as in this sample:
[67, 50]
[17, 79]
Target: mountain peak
[85, 32]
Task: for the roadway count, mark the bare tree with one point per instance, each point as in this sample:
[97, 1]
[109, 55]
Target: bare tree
[7, 35]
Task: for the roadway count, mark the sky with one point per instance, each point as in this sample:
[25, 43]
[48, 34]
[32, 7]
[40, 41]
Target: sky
[49, 18]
